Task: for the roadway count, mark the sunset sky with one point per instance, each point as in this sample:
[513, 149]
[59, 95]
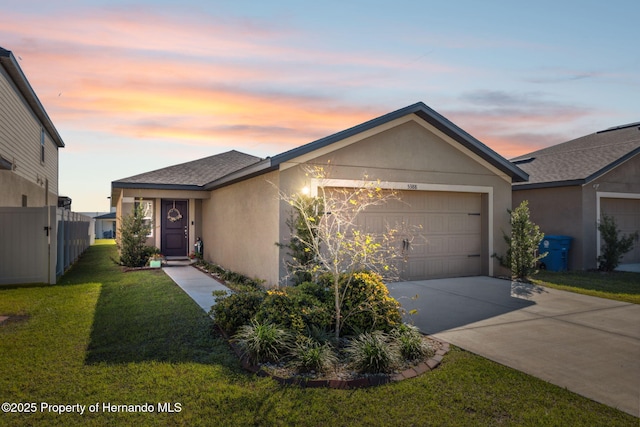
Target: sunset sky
[134, 86]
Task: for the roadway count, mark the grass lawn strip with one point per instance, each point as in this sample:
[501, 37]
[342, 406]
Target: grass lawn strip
[617, 285]
[107, 337]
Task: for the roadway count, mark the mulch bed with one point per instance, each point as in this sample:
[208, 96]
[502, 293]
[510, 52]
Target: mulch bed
[336, 379]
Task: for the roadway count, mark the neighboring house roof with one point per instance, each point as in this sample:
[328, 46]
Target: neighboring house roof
[9, 63]
[420, 109]
[110, 215]
[581, 160]
[190, 175]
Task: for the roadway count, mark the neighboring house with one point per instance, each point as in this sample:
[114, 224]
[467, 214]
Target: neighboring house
[29, 142]
[572, 184]
[457, 188]
[38, 239]
[105, 226]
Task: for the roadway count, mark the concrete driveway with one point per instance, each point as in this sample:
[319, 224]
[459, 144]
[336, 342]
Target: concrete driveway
[589, 345]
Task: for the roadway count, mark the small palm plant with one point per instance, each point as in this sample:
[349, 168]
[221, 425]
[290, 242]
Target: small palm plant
[263, 342]
[372, 352]
[410, 342]
[310, 355]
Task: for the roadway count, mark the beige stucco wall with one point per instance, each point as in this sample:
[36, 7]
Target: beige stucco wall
[20, 136]
[558, 211]
[240, 227]
[410, 153]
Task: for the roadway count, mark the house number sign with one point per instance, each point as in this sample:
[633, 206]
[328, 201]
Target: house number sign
[174, 214]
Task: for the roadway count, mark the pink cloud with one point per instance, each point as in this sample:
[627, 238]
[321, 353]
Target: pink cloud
[137, 73]
[118, 72]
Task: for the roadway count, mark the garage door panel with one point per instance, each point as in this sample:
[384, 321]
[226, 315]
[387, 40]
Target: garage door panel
[626, 212]
[436, 223]
[444, 229]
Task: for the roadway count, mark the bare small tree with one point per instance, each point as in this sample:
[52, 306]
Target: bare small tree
[326, 230]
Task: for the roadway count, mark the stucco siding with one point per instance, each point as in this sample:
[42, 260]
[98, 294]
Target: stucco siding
[623, 179]
[558, 211]
[20, 144]
[241, 227]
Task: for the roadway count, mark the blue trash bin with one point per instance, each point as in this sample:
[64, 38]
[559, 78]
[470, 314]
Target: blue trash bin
[557, 258]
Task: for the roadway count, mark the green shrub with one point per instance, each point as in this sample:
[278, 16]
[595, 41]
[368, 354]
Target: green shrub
[310, 355]
[293, 308]
[318, 290]
[367, 305]
[372, 353]
[132, 237]
[263, 342]
[233, 311]
[522, 243]
[410, 342]
[613, 245]
[148, 251]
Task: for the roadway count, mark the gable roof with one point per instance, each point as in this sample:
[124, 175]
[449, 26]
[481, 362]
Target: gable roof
[190, 175]
[580, 160]
[9, 63]
[419, 109]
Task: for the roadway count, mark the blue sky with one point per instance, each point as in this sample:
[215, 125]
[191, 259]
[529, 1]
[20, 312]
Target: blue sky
[133, 86]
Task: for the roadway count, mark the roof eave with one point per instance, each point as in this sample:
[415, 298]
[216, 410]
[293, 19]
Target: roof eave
[154, 186]
[447, 127]
[430, 116]
[551, 184]
[612, 165]
[15, 72]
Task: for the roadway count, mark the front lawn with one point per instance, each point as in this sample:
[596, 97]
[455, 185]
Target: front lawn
[106, 338]
[616, 285]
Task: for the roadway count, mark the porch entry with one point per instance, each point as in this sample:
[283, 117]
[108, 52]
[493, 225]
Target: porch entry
[175, 227]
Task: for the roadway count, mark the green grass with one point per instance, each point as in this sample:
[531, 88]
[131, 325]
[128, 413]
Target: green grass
[617, 285]
[104, 336]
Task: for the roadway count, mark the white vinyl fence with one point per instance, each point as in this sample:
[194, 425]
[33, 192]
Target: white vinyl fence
[37, 245]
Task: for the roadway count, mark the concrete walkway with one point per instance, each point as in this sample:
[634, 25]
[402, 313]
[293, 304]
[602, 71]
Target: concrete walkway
[198, 285]
[589, 345]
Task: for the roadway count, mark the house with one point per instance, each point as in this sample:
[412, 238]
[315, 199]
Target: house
[572, 184]
[29, 142]
[105, 226]
[38, 239]
[457, 188]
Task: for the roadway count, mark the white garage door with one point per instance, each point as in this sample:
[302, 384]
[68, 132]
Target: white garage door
[445, 232]
[627, 215]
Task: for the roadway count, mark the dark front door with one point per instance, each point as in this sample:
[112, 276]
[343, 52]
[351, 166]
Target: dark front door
[175, 227]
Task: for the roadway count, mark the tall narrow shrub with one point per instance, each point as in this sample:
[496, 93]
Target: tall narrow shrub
[522, 243]
[132, 238]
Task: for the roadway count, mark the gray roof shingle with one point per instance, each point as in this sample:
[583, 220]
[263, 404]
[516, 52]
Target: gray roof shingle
[196, 173]
[580, 160]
